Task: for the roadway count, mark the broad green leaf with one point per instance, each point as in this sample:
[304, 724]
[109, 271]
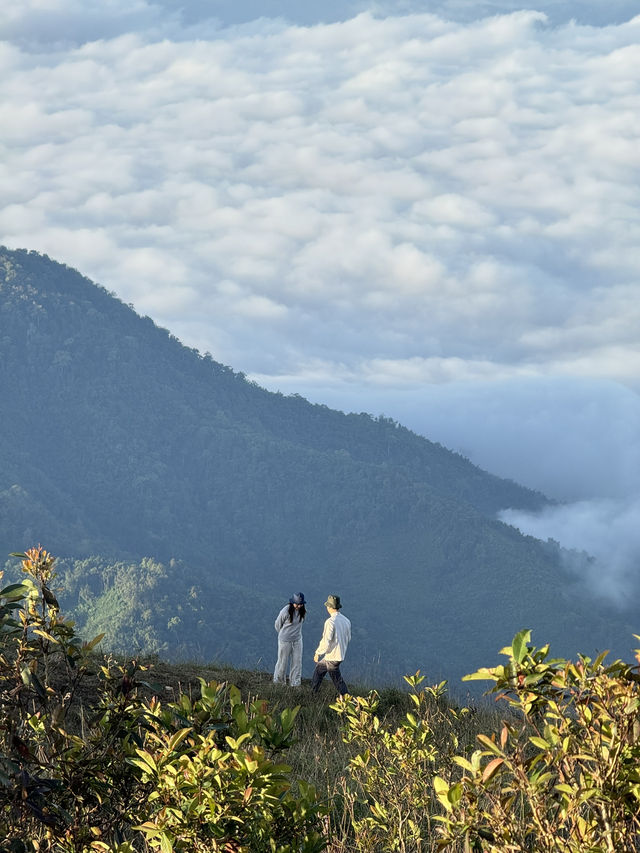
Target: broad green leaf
[455, 793]
[519, 645]
[462, 762]
[597, 662]
[178, 737]
[587, 794]
[540, 742]
[237, 742]
[30, 679]
[14, 591]
[165, 843]
[147, 760]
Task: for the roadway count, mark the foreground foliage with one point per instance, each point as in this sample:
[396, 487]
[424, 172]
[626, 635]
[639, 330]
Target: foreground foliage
[563, 775]
[558, 771]
[132, 774]
[387, 792]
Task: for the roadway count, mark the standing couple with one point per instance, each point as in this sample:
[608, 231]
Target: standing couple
[332, 647]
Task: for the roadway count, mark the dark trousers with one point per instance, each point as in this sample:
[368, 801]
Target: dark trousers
[333, 668]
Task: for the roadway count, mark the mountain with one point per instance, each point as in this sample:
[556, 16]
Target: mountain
[187, 504]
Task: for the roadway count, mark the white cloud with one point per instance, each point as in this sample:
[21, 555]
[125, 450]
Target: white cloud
[395, 176]
[434, 213]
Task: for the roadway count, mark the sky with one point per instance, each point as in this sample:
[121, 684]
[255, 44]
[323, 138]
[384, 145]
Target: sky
[427, 210]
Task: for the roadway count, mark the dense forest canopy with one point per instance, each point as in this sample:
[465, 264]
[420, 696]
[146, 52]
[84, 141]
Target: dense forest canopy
[187, 503]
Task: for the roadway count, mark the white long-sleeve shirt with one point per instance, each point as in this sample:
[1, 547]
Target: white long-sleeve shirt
[335, 637]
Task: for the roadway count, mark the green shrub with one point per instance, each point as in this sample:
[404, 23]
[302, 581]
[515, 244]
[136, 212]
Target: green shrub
[563, 775]
[387, 795]
[213, 784]
[123, 773]
[92, 760]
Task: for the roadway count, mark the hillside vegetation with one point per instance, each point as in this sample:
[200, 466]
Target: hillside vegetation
[187, 503]
[95, 756]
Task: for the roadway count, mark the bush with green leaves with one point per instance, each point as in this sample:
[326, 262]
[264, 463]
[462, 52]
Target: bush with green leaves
[563, 773]
[387, 794]
[91, 760]
[124, 773]
[213, 783]
[53, 781]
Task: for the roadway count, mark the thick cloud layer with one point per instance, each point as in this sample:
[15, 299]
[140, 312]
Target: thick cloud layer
[606, 537]
[436, 212]
[36, 23]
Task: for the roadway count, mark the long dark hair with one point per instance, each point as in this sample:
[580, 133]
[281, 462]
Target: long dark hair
[301, 611]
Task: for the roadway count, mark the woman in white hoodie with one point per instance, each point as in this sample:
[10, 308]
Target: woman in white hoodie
[288, 626]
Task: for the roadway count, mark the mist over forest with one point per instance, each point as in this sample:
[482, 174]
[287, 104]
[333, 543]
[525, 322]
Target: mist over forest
[577, 442]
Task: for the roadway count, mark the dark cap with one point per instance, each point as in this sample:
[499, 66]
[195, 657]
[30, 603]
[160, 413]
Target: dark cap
[297, 598]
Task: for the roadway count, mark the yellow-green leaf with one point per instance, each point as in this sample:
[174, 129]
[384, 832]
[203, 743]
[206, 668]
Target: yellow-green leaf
[46, 635]
[442, 791]
[491, 745]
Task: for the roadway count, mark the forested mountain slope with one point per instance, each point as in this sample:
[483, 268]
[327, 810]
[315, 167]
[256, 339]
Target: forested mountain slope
[189, 503]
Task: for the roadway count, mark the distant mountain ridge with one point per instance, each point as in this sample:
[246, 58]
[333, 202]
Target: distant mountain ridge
[189, 503]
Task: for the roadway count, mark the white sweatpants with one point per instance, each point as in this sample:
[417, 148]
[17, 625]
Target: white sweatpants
[289, 652]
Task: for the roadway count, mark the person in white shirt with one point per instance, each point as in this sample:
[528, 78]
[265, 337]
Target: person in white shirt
[332, 647]
[288, 627]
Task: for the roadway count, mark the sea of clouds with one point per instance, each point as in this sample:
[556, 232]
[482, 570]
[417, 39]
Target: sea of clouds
[426, 210]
